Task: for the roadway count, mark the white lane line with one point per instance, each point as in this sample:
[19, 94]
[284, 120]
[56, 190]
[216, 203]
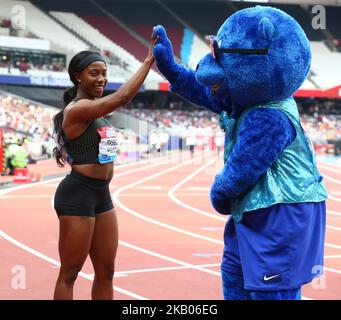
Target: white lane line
[334, 198]
[26, 196]
[212, 228]
[122, 273]
[146, 167]
[190, 194]
[161, 256]
[159, 194]
[333, 228]
[334, 213]
[184, 205]
[52, 185]
[30, 185]
[145, 161]
[333, 256]
[57, 263]
[207, 255]
[42, 196]
[150, 188]
[142, 195]
[154, 221]
[332, 270]
[330, 169]
[172, 156]
[330, 245]
[335, 193]
[331, 179]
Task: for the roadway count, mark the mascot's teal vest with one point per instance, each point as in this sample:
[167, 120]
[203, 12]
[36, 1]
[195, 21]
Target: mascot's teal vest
[293, 178]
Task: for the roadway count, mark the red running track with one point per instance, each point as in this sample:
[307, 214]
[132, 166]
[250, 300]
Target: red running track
[171, 240]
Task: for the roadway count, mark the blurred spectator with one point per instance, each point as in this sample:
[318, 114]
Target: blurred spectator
[219, 140]
[155, 143]
[23, 65]
[164, 138]
[5, 23]
[191, 140]
[16, 157]
[322, 128]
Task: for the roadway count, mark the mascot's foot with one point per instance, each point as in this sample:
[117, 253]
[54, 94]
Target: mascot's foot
[294, 294]
[233, 287]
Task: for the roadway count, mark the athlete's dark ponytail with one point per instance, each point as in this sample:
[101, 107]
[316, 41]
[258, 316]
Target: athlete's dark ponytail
[69, 94]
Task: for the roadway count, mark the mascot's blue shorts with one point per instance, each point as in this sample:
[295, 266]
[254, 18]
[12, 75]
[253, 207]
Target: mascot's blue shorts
[279, 248]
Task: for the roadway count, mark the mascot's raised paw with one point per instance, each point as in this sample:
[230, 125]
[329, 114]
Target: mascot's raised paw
[164, 55]
[218, 198]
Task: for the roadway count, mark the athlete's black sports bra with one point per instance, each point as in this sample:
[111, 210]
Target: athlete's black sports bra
[97, 144]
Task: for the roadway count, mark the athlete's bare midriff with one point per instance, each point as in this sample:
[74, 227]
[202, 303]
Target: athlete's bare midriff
[96, 170]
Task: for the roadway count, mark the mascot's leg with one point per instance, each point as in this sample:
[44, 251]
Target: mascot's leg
[231, 269]
[294, 294]
[233, 287]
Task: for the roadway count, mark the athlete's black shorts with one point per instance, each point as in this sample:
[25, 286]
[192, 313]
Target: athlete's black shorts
[79, 195]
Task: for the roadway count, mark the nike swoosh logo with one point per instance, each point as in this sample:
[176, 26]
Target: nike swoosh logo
[271, 277]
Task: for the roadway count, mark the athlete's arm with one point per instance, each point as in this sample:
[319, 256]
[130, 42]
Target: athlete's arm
[87, 110]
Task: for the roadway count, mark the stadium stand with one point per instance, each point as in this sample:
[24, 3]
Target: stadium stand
[123, 32]
[120, 67]
[144, 16]
[61, 40]
[102, 31]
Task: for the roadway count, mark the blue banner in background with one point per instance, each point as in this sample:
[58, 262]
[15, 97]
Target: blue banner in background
[49, 81]
[5, 79]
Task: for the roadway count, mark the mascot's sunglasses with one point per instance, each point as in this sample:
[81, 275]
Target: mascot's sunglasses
[215, 50]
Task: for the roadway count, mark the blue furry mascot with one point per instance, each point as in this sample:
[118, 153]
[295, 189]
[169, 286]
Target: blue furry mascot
[270, 183]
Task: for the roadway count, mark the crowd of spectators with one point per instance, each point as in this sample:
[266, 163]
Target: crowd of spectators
[21, 119]
[25, 64]
[322, 129]
[321, 119]
[24, 116]
[320, 125]
[176, 119]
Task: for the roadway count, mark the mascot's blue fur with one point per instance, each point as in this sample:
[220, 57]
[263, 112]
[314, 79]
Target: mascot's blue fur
[231, 83]
[245, 81]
